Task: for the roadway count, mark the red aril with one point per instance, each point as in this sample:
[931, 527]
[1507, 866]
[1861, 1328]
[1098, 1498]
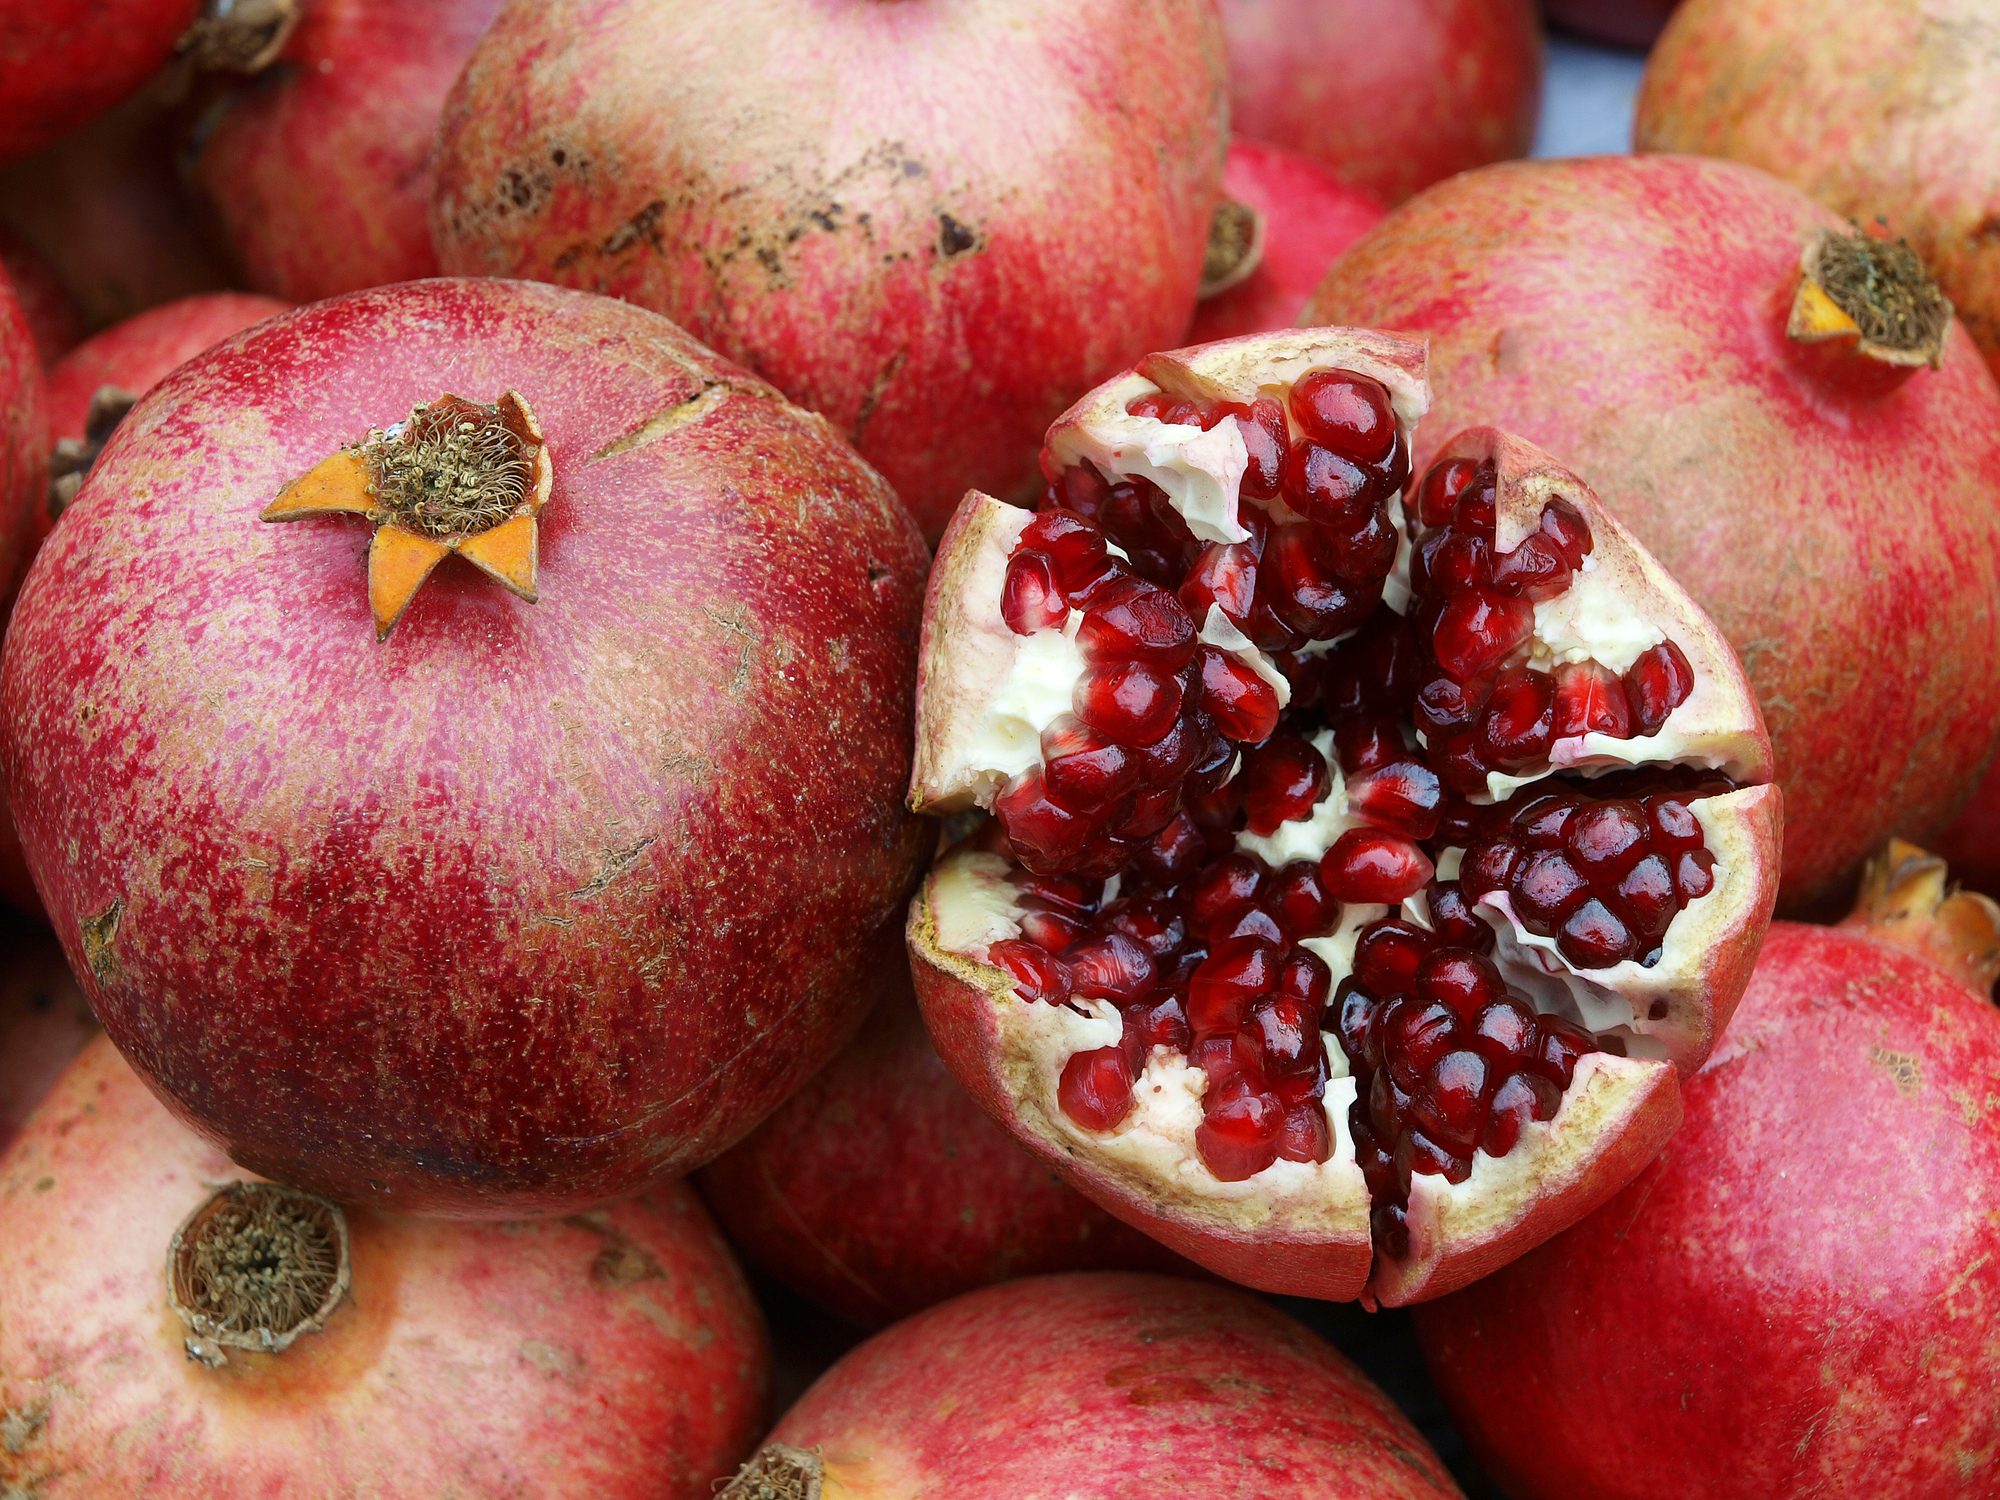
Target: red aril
[252, 1340]
[64, 62]
[1737, 418]
[1096, 1384]
[451, 886]
[1329, 895]
[1799, 1297]
[897, 241]
[44, 1021]
[1388, 95]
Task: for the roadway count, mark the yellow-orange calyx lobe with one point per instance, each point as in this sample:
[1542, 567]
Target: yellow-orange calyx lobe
[457, 476]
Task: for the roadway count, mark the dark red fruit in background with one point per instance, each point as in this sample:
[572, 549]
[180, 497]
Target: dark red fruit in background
[1628, 23]
[44, 1020]
[23, 512]
[54, 319]
[63, 62]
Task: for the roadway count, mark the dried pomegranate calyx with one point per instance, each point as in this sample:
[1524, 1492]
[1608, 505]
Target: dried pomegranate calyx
[256, 1266]
[1872, 292]
[1906, 898]
[1235, 247]
[239, 36]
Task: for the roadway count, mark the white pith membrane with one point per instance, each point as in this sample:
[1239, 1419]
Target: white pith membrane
[987, 693]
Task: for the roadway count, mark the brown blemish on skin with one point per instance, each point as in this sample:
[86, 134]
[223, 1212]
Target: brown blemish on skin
[1900, 1066]
[19, 1426]
[622, 1263]
[97, 933]
[617, 862]
[666, 423]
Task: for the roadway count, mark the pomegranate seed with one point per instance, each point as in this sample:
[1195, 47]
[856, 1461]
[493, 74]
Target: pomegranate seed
[1285, 1034]
[1111, 966]
[1365, 867]
[1212, 766]
[1593, 937]
[1694, 874]
[1474, 511]
[1453, 918]
[1299, 901]
[1146, 813]
[1305, 1136]
[1134, 618]
[1564, 525]
[1478, 631]
[1154, 923]
[1081, 767]
[1451, 1106]
[1305, 595]
[1029, 598]
[1243, 705]
[1063, 893]
[1081, 489]
[1675, 826]
[1363, 744]
[1347, 412]
[1175, 852]
[1225, 575]
[1096, 1088]
[1415, 1034]
[1590, 700]
[1541, 823]
[1519, 723]
[1265, 436]
[1044, 835]
[1606, 839]
[1403, 797]
[1364, 555]
[1535, 570]
[1520, 1098]
[1467, 982]
[1388, 954]
[1050, 930]
[1647, 899]
[1657, 684]
[1238, 1137]
[1075, 546]
[1389, 1224]
[1162, 1023]
[1327, 488]
[1129, 702]
[1489, 866]
[1387, 1102]
[1546, 889]
[1563, 1042]
[1253, 922]
[1175, 411]
[1283, 779]
[1171, 756]
[1457, 562]
[1505, 1032]
[1417, 1152]
[1038, 976]
[1437, 496]
[1355, 1015]
[1446, 707]
[1229, 979]
[1226, 1059]
[1225, 888]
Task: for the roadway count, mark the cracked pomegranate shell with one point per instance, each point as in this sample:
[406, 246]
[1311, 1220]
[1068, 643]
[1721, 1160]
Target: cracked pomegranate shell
[1801, 1298]
[1827, 497]
[483, 884]
[1372, 849]
[613, 1354]
[1094, 1384]
[933, 221]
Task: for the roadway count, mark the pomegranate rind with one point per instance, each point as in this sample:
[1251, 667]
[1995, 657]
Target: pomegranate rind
[1313, 1245]
[1616, 1115]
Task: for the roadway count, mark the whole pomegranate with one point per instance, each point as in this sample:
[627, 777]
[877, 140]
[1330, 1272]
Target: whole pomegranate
[92, 387]
[44, 1020]
[1388, 95]
[1970, 844]
[1753, 393]
[482, 886]
[1878, 108]
[1629, 23]
[1094, 1384]
[1802, 1297]
[880, 1188]
[23, 444]
[1367, 856]
[166, 1329]
[1282, 222]
[316, 161]
[53, 316]
[63, 62]
[934, 221]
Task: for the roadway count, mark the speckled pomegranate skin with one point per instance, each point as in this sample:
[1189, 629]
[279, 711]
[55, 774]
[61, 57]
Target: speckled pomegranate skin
[1106, 1384]
[880, 1187]
[137, 354]
[935, 221]
[531, 904]
[64, 61]
[1801, 1298]
[1310, 217]
[1628, 23]
[1874, 107]
[1629, 314]
[44, 1020]
[319, 168]
[1389, 95]
[613, 1354]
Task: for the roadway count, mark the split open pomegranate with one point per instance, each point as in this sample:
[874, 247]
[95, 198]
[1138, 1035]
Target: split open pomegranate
[1368, 853]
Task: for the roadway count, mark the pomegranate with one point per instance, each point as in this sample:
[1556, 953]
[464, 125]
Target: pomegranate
[1802, 1297]
[1971, 843]
[53, 316]
[1356, 864]
[63, 62]
[1878, 108]
[316, 159]
[91, 389]
[1738, 420]
[1389, 95]
[161, 1319]
[44, 1020]
[1282, 222]
[880, 1188]
[485, 889]
[1094, 1384]
[894, 241]
[1627, 23]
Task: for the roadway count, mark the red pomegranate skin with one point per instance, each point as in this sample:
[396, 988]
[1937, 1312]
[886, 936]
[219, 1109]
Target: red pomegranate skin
[880, 1187]
[44, 1020]
[1310, 216]
[63, 62]
[1801, 1297]
[610, 1354]
[53, 316]
[1629, 313]
[1875, 107]
[1388, 95]
[319, 169]
[934, 221]
[530, 904]
[23, 442]
[1626, 23]
[1111, 1384]
[1970, 844]
[137, 354]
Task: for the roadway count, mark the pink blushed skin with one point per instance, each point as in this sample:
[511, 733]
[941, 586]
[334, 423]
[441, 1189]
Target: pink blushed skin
[1388, 95]
[611, 1354]
[44, 1020]
[530, 904]
[1801, 1297]
[880, 1187]
[134, 356]
[934, 221]
[1104, 1384]
[1835, 517]
[1310, 216]
[63, 62]
[318, 169]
